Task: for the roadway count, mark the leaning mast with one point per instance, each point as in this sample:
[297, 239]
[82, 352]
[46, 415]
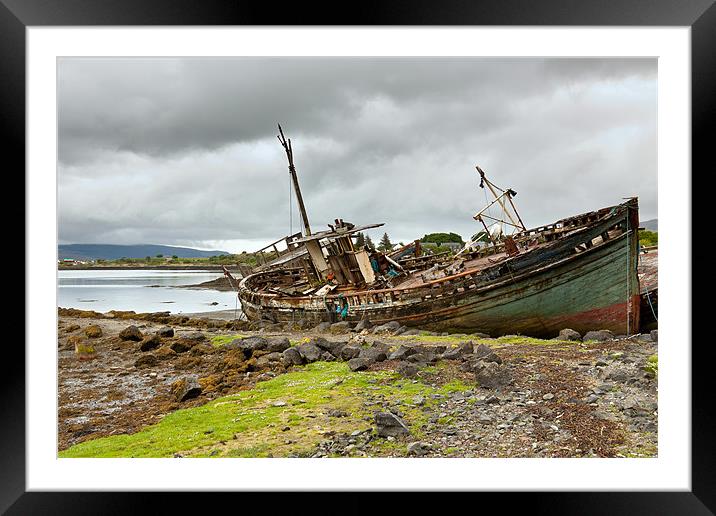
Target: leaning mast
[292, 170]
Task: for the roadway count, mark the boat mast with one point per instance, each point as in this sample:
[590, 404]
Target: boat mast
[292, 170]
[509, 193]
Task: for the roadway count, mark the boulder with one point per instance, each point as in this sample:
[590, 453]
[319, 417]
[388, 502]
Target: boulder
[654, 335]
[372, 355]
[382, 346]
[418, 449]
[166, 332]
[93, 331]
[491, 375]
[389, 425]
[340, 327]
[333, 347]
[569, 334]
[350, 351]
[197, 335]
[365, 324]
[150, 342]
[389, 327]
[427, 357]
[310, 352]
[452, 354]
[598, 335]
[251, 344]
[182, 345]
[268, 359]
[203, 349]
[147, 360]
[359, 364]
[407, 369]
[131, 333]
[292, 356]
[401, 353]
[277, 344]
[410, 332]
[322, 327]
[186, 388]
[486, 354]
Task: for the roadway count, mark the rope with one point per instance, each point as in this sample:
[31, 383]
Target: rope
[290, 207]
[628, 301]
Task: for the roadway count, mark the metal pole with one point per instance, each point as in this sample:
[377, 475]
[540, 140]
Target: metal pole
[292, 170]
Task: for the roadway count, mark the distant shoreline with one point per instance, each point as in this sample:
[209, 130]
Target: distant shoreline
[148, 267]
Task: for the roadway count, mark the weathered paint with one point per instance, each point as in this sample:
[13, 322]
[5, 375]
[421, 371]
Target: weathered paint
[537, 293]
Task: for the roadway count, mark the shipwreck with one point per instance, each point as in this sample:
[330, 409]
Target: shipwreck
[582, 272]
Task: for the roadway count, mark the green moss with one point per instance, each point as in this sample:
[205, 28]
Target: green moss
[222, 340]
[286, 415]
[652, 366]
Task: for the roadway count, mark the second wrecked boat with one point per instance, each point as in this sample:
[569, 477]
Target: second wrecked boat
[579, 272]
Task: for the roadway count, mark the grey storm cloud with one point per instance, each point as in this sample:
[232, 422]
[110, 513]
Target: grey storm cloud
[184, 151]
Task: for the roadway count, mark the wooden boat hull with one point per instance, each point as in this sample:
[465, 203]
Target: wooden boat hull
[540, 294]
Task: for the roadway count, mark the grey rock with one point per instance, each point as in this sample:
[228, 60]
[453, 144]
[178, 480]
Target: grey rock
[277, 344]
[365, 324]
[146, 361]
[310, 352]
[350, 351]
[182, 345]
[195, 336]
[423, 358]
[418, 449]
[389, 327]
[390, 425]
[410, 332]
[186, 388]
[569, 334]
[268, 359]
[291, 356]
[407, 369]
[598, 335]
[131, 333]
[359, 364]
[323, 327]
[166, 332]
[487, 354]
[150, 342]
[372, 355]
[340, 327]
[491, 375]
[401, 353]
[654, 335]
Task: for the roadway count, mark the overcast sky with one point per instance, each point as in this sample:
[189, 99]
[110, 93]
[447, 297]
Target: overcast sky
[184, 151]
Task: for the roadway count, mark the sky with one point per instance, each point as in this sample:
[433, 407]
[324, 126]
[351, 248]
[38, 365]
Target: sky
[183, 151]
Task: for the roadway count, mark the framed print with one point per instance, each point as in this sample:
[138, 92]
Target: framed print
[454, 288]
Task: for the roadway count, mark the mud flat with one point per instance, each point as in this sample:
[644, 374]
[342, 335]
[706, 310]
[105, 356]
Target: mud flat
[157, 385]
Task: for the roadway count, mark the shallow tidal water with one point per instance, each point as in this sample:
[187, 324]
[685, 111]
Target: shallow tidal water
[141, 291]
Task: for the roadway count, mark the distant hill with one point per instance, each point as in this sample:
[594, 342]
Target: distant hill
[651, 225]
[114, 252]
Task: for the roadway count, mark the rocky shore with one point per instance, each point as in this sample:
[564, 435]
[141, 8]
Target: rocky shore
[162, 385]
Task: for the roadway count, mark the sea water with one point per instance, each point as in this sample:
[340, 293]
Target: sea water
[141, 291]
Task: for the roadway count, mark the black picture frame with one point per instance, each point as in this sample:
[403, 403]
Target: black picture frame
[700, 15]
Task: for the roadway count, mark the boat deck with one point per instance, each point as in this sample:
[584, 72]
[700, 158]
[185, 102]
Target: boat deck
[648, 270]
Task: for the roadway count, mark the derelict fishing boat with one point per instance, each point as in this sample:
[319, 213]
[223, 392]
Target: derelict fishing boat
[579, 272]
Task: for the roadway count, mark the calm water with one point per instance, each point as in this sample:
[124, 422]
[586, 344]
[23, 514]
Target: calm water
[141, 291]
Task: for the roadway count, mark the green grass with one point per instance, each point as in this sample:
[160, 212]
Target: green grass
[250, 423]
